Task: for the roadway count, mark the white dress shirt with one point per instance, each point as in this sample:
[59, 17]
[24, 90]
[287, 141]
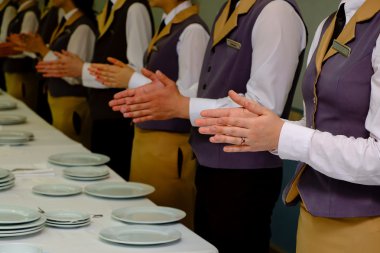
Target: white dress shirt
[82, 43]
[270, 78]
[138, 34]
[9, 13]
[29, 24]
[190, 61]
[355, 160]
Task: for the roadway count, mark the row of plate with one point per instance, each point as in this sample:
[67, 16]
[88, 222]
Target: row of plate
[8, 137]
[7, 179]
[114, 190]
[7, 105]
[18, 221]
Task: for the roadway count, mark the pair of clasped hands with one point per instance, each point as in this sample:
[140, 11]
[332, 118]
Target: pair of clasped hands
[161, 100]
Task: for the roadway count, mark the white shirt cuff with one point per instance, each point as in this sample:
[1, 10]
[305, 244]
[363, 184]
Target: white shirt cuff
[50, 56]
[294, 143]
[89, 80]
[137, 80]
[199, 104]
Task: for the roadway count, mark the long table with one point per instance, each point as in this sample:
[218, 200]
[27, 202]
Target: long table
[48, 141]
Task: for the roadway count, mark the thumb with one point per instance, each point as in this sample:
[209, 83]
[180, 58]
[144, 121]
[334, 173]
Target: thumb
[115, 62]
[166, 81]
[246, 103]
[149, 74]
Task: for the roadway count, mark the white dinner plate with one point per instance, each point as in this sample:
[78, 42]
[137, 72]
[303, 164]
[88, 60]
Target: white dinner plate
[38, 229]
[66, 216]
[8, 178]
[73, 225]
[86, 172]
[17, 214]
[12, 119]
[26, 134]
[148, 214]
[13, 140]
[4, 173]
[117, 190]
[86, 178]
[4, 184]
[2, 188]
[140, 235]
[18, 231]
[7, 105]
[78, 159]
[19, 248]
[57, 189]
[36, 223]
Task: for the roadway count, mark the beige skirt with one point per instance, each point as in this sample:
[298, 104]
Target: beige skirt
[165, 160]
[62, 111]
[342, 235]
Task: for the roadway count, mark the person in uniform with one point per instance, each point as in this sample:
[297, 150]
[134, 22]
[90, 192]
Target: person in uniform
[250, 42]
[76, 33]
[167, 163]
[125, 29]
[337, 180]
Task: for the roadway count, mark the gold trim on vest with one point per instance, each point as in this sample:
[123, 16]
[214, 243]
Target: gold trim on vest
[224, 26]
[104, 24]
[180, 17]
[71, 20]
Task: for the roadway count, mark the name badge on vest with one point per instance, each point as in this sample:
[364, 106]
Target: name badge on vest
[233, 44]
[342, 49]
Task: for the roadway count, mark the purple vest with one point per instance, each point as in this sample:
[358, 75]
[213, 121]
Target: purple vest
[167, 50]
[343, 92]
[226, 68]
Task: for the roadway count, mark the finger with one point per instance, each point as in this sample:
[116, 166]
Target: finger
[149, 74]
[250, 105]
[225, 130]
[125, 93]
[164, 79]
[142, 119]
[138, 109]
[115, 62]
[116, 102]
[206, 122]
[237, 149]
[137, 114]
[225, 139]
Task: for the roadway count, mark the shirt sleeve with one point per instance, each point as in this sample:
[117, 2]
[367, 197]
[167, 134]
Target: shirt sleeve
[270, 79]
[355, 160]
[138, 33]
[191, 49]
[81, 43]
[29, 25]
[9, 14]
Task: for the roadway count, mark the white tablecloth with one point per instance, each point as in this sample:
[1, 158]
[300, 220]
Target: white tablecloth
[48, 141]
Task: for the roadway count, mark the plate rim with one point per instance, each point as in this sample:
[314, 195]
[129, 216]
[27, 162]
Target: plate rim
[79, 190]
[180, 214]
[34, 213]
[103, 159]
[177, 234]
[149, 189]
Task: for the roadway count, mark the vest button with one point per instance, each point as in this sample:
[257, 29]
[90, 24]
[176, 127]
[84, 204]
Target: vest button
[314, 100]
[204, 86]
[209, 69]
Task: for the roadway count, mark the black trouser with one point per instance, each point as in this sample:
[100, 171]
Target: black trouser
[114, 137]
[234, 207]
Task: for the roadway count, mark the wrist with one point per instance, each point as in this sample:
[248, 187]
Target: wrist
[183, 107]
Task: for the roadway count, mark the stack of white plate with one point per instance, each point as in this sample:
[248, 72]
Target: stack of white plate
[86, 173]
[7, 179]
[19, 221]
[12, 119]
[67, 219]
[7, 105]
[13, 138]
